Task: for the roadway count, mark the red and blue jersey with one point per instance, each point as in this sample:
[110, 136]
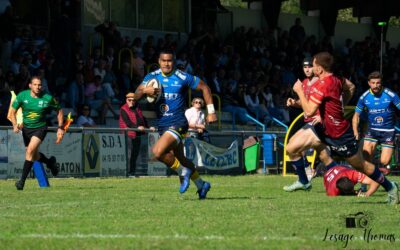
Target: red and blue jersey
[327, 93]
[380, 108]
[170, 108]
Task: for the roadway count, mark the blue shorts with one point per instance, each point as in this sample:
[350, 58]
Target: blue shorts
[385, 138]
[178, 131]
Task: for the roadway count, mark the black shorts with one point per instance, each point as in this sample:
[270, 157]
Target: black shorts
[345, 146]
[28, 133]
[317, 129]
[385, 138]
[179, 131]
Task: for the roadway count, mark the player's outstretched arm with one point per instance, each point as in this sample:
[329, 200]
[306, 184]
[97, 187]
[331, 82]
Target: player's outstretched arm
[12, 117]
[60, 130]
[373, 186]
[348, 91]
[60, 117]
[211, 115]
[355, 121]
[308, 107]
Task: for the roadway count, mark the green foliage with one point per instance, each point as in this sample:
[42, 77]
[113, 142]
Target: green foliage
[243, 212]
[291, 6]
[234, 3]
[394, 21]
[346, 15]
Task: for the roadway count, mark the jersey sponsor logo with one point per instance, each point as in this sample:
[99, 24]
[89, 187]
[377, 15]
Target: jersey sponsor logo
[333, 120]
[176, 84]
[377, 111]
[317, 91]
[171, 96]
[379, 119]
[42, 104]
[32, 115]
[164, 108]
[389, 140]
[341, 148]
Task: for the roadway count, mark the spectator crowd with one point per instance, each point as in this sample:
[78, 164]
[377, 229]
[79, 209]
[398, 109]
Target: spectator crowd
[253, 71]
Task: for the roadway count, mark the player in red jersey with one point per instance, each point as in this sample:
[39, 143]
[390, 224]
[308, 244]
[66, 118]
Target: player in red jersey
[340, 180]
[296, 142]
[326, 96]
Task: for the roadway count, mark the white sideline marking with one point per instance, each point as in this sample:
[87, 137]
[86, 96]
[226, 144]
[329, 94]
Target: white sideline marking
[154, 237]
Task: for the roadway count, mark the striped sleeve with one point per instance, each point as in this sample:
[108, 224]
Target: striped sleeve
[396, 101]
[361, 104]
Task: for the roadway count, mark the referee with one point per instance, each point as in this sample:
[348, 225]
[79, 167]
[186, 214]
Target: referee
[35, 105]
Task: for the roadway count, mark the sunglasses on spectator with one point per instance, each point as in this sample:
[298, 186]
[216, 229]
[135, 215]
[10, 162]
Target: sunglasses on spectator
[197, 102]
[130, 100]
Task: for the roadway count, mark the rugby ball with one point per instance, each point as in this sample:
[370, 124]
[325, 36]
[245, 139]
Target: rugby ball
[155, 84]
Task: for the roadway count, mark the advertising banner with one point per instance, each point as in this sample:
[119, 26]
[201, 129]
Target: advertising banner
[214, 158]
[113, 154]
[68, 154]
[16, 154]
[91, 154]
[154, 167]
[3, 154]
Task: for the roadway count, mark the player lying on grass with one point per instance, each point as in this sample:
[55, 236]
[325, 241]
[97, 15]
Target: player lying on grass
[340, 180]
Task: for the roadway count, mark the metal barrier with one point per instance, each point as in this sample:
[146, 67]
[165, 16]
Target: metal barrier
[104, 151]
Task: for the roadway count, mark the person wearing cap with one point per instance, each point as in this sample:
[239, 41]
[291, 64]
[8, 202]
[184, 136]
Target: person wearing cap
[131, 116]
[304, 181]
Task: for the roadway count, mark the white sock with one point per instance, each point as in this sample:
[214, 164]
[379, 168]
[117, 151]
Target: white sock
[179, 170]
[185, 171]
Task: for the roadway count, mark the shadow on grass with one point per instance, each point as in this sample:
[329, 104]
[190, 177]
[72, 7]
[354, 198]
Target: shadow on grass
[370, 202]
[241, 198]
[96, 187]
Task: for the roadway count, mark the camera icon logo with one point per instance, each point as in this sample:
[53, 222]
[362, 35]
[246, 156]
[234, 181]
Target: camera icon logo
[358, 220]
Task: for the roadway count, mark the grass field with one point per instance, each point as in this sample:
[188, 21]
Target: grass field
[243, 212]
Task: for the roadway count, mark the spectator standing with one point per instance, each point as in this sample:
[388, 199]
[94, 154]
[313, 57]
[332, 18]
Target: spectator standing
[297, 32]
[196, 120]
[131, 117]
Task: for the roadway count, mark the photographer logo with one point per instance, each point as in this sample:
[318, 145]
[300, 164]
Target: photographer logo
[357, 227]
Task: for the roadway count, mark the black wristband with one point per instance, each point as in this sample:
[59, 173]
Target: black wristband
[61, 127]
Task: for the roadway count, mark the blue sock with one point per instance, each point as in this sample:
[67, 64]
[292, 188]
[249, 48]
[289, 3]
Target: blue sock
[300, 165]
[331, 165]
[381, 179]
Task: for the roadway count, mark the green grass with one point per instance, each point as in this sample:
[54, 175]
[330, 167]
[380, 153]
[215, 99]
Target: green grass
[243, 212]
